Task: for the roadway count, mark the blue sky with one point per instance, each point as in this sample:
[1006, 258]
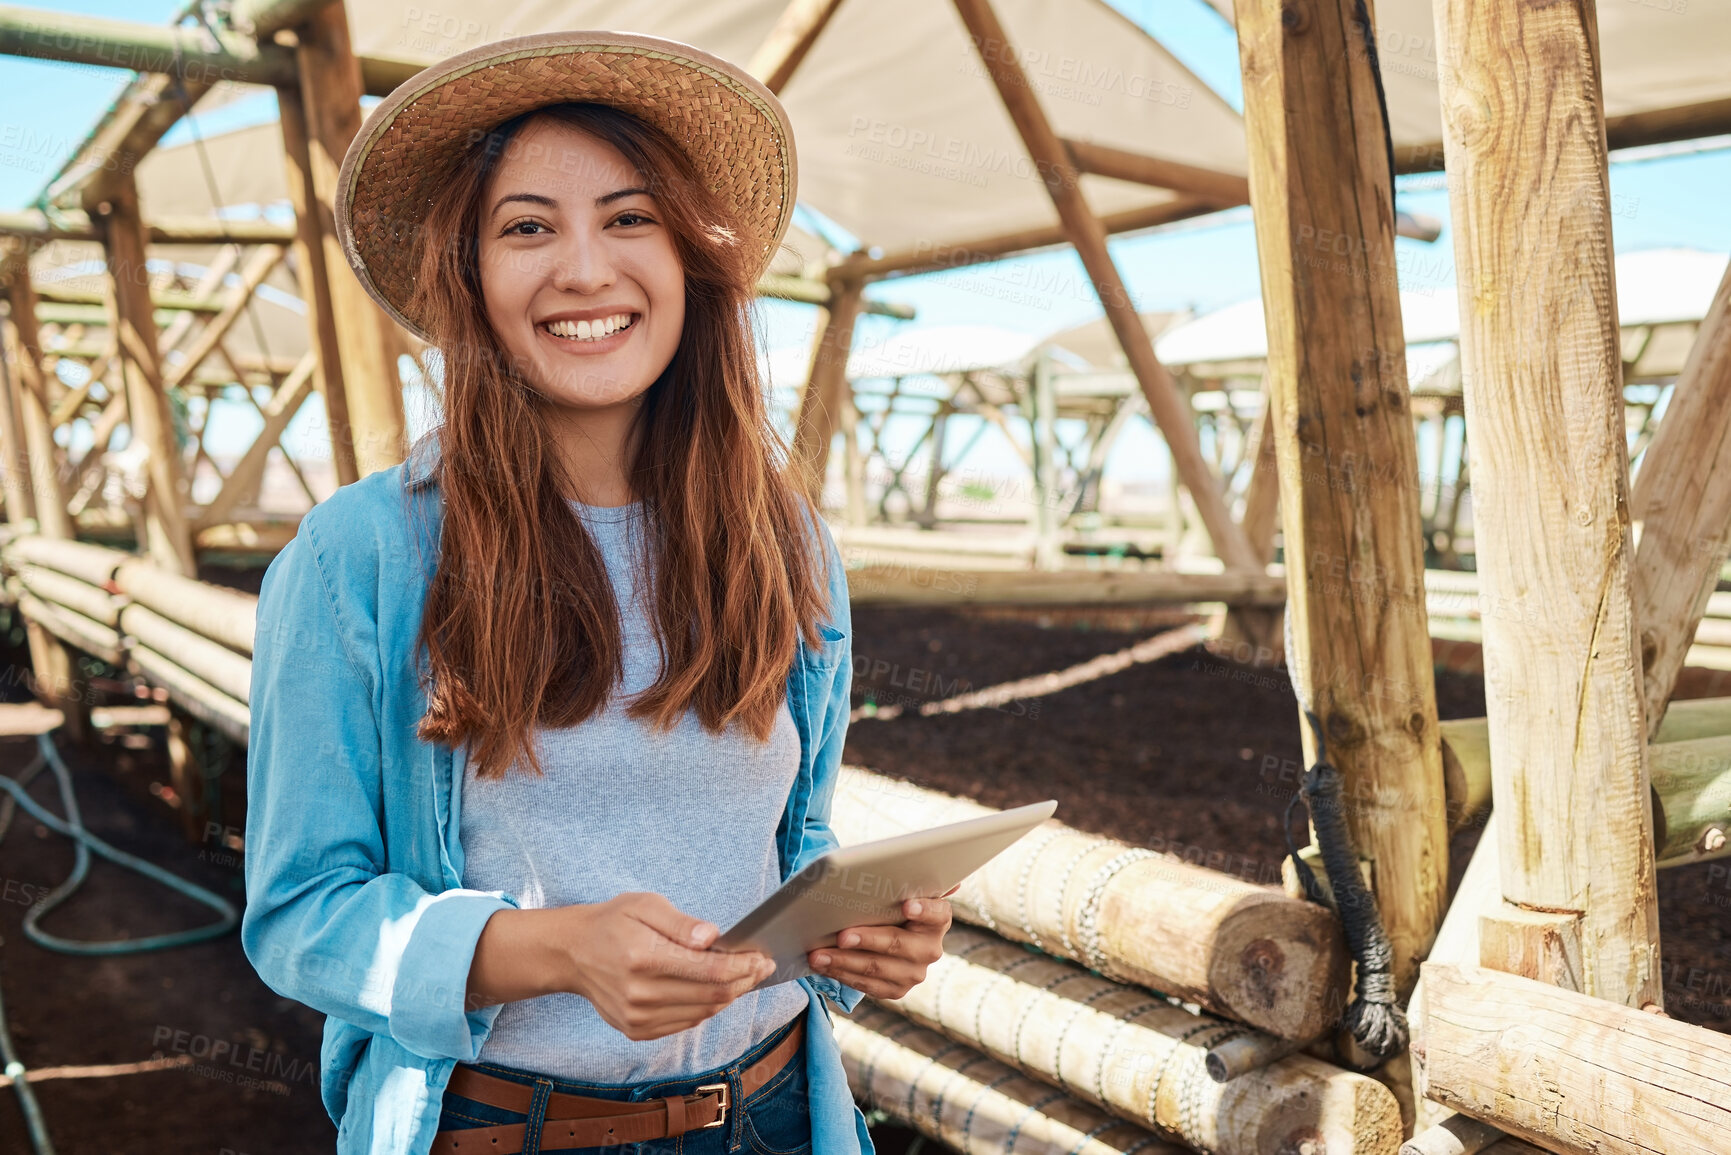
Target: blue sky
[1658, 201]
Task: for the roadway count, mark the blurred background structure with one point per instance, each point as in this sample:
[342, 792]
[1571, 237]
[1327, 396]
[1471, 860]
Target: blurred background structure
[190, 366]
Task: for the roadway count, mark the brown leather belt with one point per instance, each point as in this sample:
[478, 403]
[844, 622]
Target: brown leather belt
[585, 1121]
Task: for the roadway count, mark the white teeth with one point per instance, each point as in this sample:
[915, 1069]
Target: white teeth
[589, 330]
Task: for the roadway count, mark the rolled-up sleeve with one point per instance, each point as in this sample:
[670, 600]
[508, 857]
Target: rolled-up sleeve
[326, 922]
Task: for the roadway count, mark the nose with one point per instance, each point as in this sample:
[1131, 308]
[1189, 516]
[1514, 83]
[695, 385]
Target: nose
[583, 264]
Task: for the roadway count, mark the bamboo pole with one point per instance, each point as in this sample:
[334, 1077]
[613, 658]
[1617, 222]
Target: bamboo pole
[826, 389]
[971, 1103]
[1571, 1072]
[257, 268]
[1084, 230]
[1247, 952]
[247, 472]
[1682, 501]
[1542, 377]
[1340, 413]
[1138, 1056]
[147, 406]
[221, 667]
[222, 615]
[75, 225]
[330, 87]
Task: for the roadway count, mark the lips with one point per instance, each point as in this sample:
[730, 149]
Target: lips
[590, 331]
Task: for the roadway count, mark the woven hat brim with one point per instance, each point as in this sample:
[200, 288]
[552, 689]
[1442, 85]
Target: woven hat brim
[733, 129]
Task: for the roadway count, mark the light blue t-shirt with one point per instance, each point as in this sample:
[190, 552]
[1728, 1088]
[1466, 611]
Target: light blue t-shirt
[684, 813]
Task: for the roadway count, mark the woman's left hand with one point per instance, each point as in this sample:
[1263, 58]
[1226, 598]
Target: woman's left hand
[887, 962]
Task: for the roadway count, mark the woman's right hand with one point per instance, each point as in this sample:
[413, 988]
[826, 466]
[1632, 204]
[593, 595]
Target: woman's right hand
[645, 964]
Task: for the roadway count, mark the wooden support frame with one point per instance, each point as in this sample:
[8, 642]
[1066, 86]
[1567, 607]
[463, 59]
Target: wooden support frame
[14, 460]
[1542, 376]
[47, 496]
[1339, 411]
[1085, 231]
[1682, 501]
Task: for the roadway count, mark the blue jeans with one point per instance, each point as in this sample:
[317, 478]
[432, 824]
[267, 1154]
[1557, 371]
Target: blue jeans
[775, 1120]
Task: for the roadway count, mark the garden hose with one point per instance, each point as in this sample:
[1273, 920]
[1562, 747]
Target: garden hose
[72, 826]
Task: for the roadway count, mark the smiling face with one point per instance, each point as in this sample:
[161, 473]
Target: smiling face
[579, 274]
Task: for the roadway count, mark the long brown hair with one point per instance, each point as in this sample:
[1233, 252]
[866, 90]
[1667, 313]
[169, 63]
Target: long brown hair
[520, 627]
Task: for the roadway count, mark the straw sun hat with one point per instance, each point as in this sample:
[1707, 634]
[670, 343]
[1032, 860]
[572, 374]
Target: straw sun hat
[732, 127]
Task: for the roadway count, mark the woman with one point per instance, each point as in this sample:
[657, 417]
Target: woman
[537, 712]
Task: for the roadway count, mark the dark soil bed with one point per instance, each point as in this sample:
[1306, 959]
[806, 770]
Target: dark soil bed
[1191, 754]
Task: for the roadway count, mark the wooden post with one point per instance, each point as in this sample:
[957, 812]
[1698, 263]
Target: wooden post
[14, 461]
[147, 406]
[315, 283]
[331, 98]
[820, 406]
[1682, 501]
[1542, 377]
[47, 495]
[1043, 427]
[1570, 1072]
[1084, 230]
[1343, 437]
[788, 42]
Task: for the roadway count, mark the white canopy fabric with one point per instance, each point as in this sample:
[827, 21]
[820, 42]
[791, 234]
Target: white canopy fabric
[901, 136]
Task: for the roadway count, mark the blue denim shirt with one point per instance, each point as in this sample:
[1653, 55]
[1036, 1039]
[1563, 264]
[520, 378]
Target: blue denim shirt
[355, 904]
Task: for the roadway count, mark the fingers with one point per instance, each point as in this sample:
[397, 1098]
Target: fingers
[880, 975]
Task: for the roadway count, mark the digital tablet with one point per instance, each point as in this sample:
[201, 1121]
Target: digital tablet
[866, 884]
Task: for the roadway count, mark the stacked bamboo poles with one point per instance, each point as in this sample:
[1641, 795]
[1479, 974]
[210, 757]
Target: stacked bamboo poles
[1247, 952]
[954, 1094]
[191, 638]
[1140, 1057]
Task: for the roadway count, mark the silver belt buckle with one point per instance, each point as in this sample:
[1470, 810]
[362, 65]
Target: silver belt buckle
[721, 1118]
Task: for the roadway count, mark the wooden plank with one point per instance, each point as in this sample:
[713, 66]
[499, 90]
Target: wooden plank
[1542, 376]
[1223, 188]
[825, 389]
[794, 33]
[1343, 434]
[1170, 409]
[1682, 501]
[1570, 1072]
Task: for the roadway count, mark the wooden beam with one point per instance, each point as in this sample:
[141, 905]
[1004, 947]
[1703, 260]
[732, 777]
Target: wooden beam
[1631, 130]
[825, 390]
[168, 299]
[1542, 373]
[933, 256]
[788, 42]
[1223, 188]
[249, 470]
[105, 162]
[1342, 425]
[1171, 411]
[1570, 1072]
[258, 267]
[331, 97]
[810, 291]
[171, 50]
[1682, 502]
[74, 225]
[146, 403]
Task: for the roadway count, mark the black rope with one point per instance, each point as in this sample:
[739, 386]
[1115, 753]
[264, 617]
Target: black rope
[1373, 1018]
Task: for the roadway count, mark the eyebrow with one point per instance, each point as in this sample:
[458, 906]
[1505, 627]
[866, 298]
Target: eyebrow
[548, 202]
